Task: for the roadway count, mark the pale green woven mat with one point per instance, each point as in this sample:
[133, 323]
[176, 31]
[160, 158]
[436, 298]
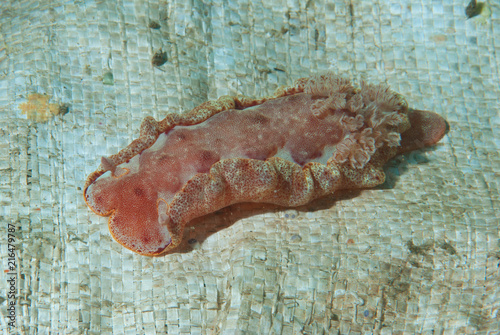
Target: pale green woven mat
[419, 255]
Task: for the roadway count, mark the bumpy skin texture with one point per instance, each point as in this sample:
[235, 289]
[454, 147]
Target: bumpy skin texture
[308, 140]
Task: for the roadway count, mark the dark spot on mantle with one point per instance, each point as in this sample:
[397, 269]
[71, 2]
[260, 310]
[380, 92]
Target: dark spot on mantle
[260, 119]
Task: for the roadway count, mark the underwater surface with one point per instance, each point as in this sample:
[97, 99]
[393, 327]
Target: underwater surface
[417, 252]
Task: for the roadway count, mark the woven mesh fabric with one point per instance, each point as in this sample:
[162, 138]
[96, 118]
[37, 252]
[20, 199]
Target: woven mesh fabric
[418, 255]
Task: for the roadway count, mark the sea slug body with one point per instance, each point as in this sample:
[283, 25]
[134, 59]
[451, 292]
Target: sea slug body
[308, 140]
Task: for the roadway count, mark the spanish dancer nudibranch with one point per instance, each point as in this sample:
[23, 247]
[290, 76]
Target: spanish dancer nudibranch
[308, 140]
